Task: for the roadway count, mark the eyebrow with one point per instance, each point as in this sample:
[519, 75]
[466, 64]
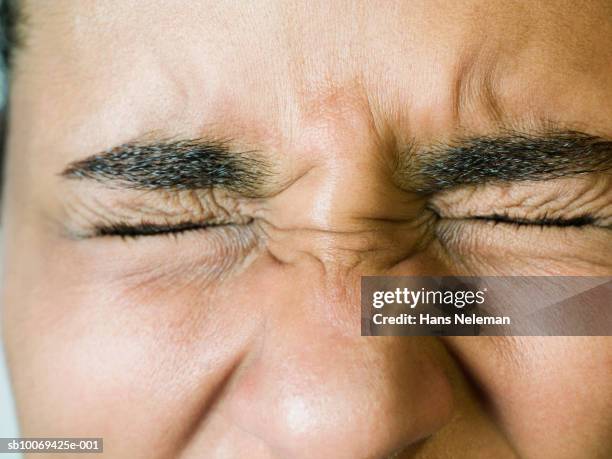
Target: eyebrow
[204, 164]
[509, 157]
[175, 165]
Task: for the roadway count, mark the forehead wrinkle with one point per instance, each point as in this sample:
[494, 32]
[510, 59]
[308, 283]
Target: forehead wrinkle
[478, 89]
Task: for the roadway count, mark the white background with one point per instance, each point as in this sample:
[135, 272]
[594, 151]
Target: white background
[8, 424]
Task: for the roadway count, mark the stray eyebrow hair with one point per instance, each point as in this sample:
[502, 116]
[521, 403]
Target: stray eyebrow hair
[175, 165]
[509, 157]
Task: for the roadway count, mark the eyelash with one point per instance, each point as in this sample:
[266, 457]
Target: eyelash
[541, 222]
[575, 222]
[146, 229]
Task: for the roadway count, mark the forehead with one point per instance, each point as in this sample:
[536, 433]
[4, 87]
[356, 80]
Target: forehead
[111, 70]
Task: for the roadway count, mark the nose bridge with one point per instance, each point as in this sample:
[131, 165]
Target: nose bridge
[345, 208]
[338, 131]
[325, 391]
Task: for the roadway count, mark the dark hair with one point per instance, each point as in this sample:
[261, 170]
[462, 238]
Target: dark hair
[9, 16]
[8, 29]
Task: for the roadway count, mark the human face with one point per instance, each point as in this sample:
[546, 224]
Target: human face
[225, 322]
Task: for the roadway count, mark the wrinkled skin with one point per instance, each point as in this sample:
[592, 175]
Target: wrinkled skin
[244, 341]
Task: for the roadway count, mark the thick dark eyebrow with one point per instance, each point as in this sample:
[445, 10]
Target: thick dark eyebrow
[204, 164]
[509, 157]
[175, 165]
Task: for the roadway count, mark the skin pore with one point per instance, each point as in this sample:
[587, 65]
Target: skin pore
[193, 190]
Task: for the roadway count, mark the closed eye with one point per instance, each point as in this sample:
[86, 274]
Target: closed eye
[556, 222]
[143, 229]
[542, 221]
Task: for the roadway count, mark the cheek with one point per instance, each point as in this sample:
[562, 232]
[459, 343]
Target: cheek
[574, 372]
[112, 360]
[501, 250]
[545, 388]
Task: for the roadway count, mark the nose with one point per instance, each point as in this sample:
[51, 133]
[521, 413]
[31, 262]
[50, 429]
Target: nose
[314, 388]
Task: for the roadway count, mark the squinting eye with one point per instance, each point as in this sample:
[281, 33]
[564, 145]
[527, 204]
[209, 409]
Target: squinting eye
[124, 230]
[542, 222]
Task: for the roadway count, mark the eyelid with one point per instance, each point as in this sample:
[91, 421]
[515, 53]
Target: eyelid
[539, 221]
[136, 213]
[147, 228]
[580, 221]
